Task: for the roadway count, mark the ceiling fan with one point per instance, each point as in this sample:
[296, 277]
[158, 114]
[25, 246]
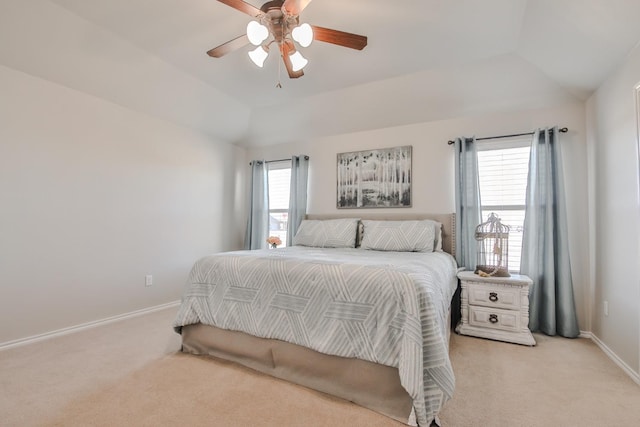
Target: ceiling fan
[278, 22]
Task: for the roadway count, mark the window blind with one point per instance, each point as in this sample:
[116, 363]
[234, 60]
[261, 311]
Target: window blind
[503, 168]
[279, 188]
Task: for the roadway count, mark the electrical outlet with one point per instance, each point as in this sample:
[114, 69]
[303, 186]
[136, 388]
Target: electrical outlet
[606, 308]
[148, 280]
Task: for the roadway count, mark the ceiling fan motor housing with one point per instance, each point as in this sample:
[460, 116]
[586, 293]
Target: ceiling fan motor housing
[279, 23]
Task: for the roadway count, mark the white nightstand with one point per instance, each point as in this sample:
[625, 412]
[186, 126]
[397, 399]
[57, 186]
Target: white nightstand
[495, 307]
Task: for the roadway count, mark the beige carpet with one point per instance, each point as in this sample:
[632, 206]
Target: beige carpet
[129, 374]
[559, 382]
[192, 391]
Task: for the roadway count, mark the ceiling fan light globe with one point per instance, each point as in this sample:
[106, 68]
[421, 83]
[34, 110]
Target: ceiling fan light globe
[258, 56]
[303, 34]
[298, 62]
[257, 33]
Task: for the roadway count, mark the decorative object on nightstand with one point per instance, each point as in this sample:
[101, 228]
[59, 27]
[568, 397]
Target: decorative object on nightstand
[495, 307]
[493, 248]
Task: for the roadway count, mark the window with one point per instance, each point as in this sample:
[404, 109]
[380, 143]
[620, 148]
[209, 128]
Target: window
[503, 167]
[279, 186]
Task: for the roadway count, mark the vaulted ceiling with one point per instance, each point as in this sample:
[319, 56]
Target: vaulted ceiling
[425, 60]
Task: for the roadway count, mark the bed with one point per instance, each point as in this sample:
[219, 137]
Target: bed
[365, 322]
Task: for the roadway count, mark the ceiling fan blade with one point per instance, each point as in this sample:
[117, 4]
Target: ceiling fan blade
[294, 7]
[229, 46]
[285, 49]
[243, 7]
[353, 41]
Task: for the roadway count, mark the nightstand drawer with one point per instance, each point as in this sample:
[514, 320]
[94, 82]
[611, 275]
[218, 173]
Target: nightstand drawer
[506, 320]
[494, 296]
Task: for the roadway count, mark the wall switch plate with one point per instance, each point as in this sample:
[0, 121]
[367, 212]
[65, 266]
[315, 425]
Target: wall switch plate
[606, 308]
[148, 280]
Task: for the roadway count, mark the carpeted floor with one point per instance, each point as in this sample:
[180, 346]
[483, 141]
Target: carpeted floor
[130, 374]
[193, 391]
[559, 382]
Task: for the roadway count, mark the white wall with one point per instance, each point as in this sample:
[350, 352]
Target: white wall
[613, 152]
[433, 168]
[46, 40]
[95, 196]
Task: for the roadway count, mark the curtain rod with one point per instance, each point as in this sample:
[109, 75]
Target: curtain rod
[279, 160]
[562, 130]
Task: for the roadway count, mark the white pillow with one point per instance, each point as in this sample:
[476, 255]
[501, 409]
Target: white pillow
[330, 233]
[400, 236]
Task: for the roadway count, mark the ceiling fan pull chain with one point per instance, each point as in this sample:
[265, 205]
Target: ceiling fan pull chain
[279, 85]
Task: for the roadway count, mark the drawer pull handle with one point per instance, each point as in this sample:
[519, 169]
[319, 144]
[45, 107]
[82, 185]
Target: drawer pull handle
[493, 296]
[493, 318]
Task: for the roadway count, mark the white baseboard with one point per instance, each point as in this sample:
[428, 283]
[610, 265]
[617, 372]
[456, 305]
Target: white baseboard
[72, 329]
[614, 357]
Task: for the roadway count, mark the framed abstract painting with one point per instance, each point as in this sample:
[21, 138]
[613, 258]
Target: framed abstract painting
[379, 178]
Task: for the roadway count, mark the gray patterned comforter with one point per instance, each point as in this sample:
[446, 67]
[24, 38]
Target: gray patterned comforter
[385, 307]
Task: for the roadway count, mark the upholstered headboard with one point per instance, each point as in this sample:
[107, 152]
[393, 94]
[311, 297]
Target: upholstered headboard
[448, 222]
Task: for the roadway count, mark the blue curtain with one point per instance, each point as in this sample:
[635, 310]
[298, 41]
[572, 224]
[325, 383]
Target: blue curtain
[258, 224]
[468, 209]
[297, 195]
[545, 246]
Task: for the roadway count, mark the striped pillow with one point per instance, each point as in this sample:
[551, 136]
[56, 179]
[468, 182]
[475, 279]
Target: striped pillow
[400, 236]
[330, 233]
